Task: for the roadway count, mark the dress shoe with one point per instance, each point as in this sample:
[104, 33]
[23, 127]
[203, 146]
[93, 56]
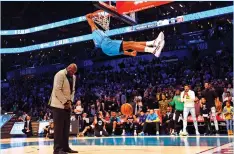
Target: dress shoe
[60, 152]
[71, 151]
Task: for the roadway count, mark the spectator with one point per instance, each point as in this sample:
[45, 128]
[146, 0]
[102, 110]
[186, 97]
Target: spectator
[142, 119]
[227, 96]
[85, 121]
[163, 104]
[167, 122]
[99, 106]
[50, 133]
[230, 99]
[113, 126]
[179, 107]
[41, 115]
[129, 125]
[211, 97]
[205, 114]
[230, 89]
[224, 95]
[99, 126]
[151, 122]
[197, 106]
[23, 117]
[199, 95]
[46, 129]
[45, 118]
[110, 105]
[138, 106]
[188, 97]
[151, 103]
[78, 110]
[92, 110]
[85, 125]
[28, 127]
[122, 98]
[107, 117]
[228, 112]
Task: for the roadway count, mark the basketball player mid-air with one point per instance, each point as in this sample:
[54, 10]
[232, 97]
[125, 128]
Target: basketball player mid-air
[118, 47]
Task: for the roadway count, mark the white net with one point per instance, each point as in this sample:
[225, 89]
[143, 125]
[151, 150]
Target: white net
[103, 19]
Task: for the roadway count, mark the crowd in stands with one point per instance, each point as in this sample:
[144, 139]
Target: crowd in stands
[148, 86]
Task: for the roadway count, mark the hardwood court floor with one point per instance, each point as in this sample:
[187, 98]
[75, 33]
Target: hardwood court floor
[125, 145]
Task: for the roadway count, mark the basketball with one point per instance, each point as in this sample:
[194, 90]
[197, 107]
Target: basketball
[126, 109]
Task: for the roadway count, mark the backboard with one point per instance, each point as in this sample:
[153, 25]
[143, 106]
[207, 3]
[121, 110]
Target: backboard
[110, 7]
[126, 10]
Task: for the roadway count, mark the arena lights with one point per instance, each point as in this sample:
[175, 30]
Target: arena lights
[74, 20]
[44, 27]
[139, 27]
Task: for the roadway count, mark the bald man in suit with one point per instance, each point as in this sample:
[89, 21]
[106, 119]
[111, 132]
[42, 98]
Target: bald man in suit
[61, 102]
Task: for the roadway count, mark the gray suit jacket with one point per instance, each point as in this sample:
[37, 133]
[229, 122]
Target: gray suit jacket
[61, 90]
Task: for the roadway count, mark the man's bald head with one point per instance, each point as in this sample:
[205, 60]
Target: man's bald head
[72, 69]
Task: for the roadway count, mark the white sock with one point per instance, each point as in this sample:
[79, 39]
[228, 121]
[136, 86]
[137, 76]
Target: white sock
[113, 130]
[195, 125]
[150, 50]
[216, 125]
[184, 126]
[150, 43]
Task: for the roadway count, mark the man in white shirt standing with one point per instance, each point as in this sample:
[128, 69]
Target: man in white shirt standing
[188, 97]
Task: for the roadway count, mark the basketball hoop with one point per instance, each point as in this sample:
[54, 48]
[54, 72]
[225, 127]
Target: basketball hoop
[102, 19]
[107, 9]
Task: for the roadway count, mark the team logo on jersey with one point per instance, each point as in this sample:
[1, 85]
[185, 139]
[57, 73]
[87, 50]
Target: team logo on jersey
[99, 122]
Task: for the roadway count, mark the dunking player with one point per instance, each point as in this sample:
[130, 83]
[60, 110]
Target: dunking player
[119, 47]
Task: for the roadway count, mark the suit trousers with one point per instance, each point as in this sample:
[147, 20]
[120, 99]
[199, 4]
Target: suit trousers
[61, 119]
[177, 125]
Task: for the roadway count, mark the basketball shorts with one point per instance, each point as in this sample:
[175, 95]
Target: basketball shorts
[112, 47]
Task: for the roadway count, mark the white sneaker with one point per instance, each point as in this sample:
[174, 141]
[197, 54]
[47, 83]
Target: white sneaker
[197, 133]
[135, 134]
[181, 131]
[159, 48]
[123, 134]
[157, 133]
[184, 133]
[158, 39]
[172, 132]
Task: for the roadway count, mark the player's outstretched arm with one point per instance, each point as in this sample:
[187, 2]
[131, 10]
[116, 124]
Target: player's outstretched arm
[91, 22]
